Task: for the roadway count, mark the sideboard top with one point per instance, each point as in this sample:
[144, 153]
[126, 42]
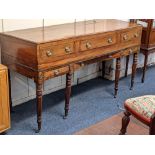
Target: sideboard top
[69, 30]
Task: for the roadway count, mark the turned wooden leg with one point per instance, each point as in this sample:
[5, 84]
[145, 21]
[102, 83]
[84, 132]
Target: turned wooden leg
[125, 122]
[39, 90]
[117, 75]
[127, 64]
[134, 68]
[103, 69]
[152, 130]
[152, 125]
[144, 67]
[67, 93]
[9, 79]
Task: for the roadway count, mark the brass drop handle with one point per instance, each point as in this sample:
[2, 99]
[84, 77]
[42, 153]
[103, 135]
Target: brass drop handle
[136, 35]
[67, 49]
[130, 51]
[82, 65]
[88, 45]
[49, 53]
[56, 72]
[109, 56]
[110, 40]
[125, 37]
[122, 54]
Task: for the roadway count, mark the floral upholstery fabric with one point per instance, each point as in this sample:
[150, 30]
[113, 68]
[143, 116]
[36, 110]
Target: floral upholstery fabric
[144, 105]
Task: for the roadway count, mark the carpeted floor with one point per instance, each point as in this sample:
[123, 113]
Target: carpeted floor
[91, 102]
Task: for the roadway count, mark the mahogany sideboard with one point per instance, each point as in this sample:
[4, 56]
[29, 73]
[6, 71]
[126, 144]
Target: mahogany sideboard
[44, 53]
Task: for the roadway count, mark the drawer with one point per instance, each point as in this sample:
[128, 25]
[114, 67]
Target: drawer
[131, 35]
[56, 72]
[55, 52]
[124, 52]
[129, 51]
[96, 42]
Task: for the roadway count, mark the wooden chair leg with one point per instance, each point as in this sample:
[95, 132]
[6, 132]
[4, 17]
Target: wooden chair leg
[152, 130]
[125, 122]
[127, 65]
[67, 93]
[145, 66]
[152, 125]
[117, 75]
[134, 68]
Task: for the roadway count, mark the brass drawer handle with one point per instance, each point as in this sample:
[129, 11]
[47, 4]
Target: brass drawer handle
[110, 56]
[49, 53]
[82, 64]
[88, 45]
[125, 37]
[56, 72]
[110, 40]
[130, 51]
[136, 35]
[68, 50]
[122, 54]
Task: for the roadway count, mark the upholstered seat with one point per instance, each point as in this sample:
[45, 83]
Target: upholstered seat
[143, 108]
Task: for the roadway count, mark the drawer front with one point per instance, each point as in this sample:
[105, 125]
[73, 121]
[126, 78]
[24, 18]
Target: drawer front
[131, 35]
[97, 42]
[55, 52]
[124, 52]
[56, 72]
[129, 51]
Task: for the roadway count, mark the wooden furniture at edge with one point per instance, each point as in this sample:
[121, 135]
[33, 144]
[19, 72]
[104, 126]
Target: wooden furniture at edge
[143, 109]
[147, 42]
[4, 100]
[44, 53]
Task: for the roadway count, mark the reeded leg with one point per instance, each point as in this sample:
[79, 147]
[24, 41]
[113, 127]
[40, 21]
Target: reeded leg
[103, 69]
[145, 65]
[125, 122]
[67, 93]
[39, 90]
[134, 68]
[117, 75]
[127, 64]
